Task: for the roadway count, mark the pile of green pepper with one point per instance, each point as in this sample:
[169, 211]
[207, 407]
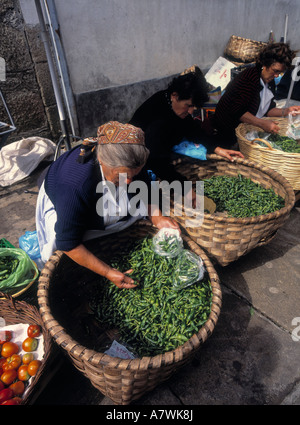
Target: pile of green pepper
[153, 317]
[241, 197]
[8, 265]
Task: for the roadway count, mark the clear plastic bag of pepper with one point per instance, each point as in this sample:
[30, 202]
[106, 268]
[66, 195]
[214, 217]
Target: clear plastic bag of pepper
[189, 269]
[167, 242]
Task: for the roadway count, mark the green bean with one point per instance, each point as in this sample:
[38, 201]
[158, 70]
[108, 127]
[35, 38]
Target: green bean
[152, 318]
[241, 197]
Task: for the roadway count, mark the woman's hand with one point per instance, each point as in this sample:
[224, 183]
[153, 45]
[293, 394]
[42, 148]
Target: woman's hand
[291, 109]
[228, 153]
[270, 126]
[121, 280]
[82, 256]
[163, 221]
[266, 125]
[159, 220]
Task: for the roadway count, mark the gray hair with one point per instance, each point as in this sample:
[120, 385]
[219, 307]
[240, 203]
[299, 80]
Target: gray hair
[128, 155]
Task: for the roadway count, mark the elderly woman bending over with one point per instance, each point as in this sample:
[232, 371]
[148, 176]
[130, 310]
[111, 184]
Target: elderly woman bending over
[68, 213]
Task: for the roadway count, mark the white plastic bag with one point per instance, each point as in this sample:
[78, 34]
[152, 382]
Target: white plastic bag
[19, 159]
[294, 125]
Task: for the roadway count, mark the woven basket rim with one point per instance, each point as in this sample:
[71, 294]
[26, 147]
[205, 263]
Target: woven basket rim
[96, 358]
[238, 37]
[260, 218]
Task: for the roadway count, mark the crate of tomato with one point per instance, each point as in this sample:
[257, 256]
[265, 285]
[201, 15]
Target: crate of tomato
[25, 350]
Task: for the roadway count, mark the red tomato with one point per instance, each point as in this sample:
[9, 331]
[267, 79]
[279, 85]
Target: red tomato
[2, 386]
[9, 348]
[6, 394]
[18, 387]
[2, 361]
[34, 331]
[12, 402]
[33, 367]
[9, 376]
[30, 344]
[5, 336]
[27, 358]
[12, 362]
[23, 374]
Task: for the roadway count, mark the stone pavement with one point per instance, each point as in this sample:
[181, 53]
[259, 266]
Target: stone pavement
[252, 357]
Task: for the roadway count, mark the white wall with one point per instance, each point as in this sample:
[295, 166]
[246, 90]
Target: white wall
[116, 42]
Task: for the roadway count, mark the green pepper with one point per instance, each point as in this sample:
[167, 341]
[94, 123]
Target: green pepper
[150, 316]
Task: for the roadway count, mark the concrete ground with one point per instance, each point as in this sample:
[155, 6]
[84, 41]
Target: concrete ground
[252, 357]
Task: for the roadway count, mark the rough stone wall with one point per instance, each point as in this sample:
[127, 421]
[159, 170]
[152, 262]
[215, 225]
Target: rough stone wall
[27, 89]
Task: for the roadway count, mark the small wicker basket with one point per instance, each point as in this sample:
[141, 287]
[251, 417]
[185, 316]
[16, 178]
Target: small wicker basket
[242, 49]
[285, 163]
[121, 380]
[225, 239]
[14, 312]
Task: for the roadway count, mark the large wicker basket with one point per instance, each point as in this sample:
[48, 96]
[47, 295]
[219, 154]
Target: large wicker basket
[121, 380]
[285, 163]
[243, 50]
[225, 239]
[14, 312]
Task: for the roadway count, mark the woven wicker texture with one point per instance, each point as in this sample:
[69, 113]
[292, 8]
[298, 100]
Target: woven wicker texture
[285, 163]
[121, 380]
[243, 49]
[225, 239]
[14, 312]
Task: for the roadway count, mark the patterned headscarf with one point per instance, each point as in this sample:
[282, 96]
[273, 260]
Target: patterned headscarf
[111, 132]
[116, 132]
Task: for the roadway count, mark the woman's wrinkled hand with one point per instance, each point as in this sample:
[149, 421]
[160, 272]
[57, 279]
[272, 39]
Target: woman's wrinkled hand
[292, 109]
[228, 153]
[270, 126]
[121, 280]
[161, 221]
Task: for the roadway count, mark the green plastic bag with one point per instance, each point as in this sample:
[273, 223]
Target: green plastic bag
[16, 269]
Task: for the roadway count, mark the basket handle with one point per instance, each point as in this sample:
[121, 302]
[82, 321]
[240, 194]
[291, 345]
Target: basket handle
[8, 297]
[269, 146]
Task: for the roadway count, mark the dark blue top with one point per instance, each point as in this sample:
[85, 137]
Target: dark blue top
[71, 186]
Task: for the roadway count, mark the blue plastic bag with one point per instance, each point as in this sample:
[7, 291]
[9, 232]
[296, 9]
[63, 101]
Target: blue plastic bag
[30, 244]
[191, 149]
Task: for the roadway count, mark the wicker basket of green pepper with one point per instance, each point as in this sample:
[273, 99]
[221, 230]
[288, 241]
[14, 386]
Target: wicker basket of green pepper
[285, 161]
[143, 317]
[253, 202]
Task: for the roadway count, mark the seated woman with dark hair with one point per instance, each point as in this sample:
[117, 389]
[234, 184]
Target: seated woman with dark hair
[250, 96]
[166, 118]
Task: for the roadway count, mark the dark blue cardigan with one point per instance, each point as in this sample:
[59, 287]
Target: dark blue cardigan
[71, 186]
